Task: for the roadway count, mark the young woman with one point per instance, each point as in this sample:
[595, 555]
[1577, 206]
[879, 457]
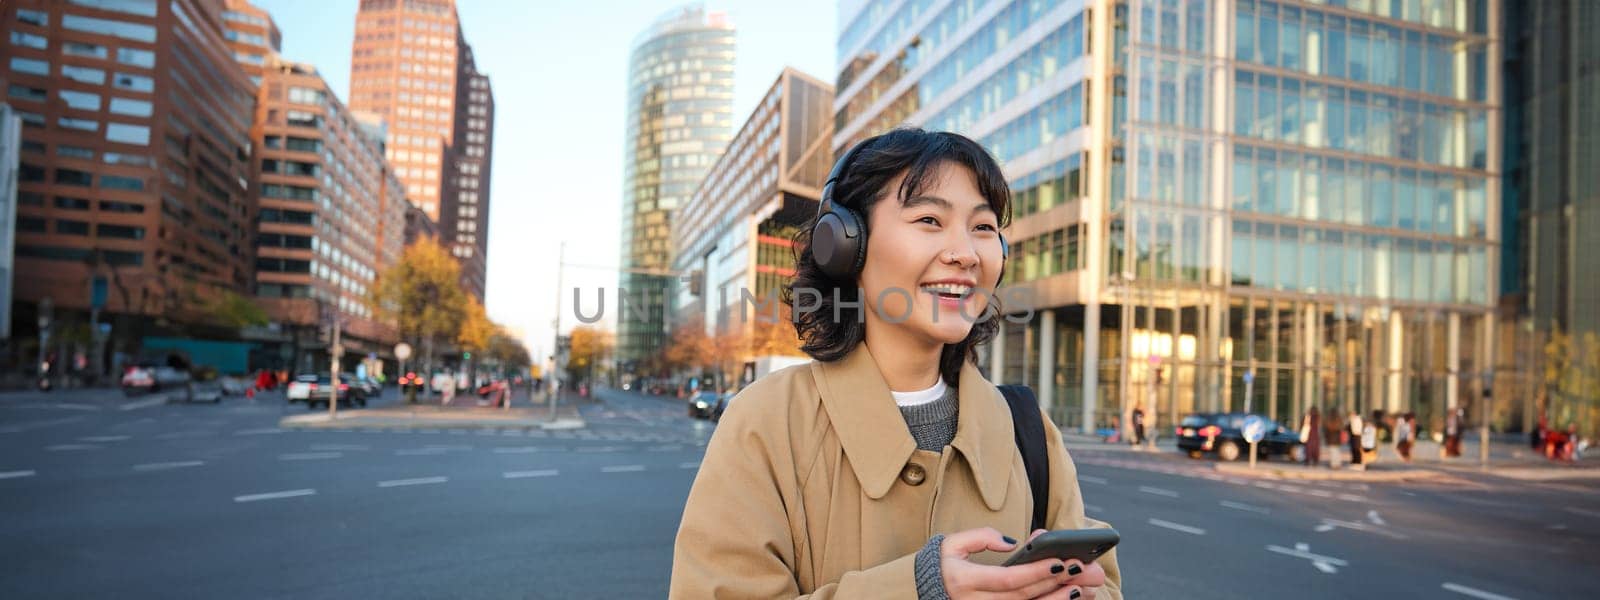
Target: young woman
[888, 467]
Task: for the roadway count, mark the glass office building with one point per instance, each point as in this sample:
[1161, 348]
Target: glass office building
[680, 117]
[1285, 204]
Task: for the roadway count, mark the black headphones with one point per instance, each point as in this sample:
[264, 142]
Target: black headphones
[838, 239]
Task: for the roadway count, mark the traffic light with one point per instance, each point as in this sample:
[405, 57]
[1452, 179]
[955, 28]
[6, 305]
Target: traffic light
[466, 356]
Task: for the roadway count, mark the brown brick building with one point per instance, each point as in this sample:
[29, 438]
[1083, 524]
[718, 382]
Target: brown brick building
[135, 163]
[411, 65]
[331, 213]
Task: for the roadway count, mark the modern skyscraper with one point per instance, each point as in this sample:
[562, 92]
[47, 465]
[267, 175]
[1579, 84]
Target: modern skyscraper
[331, 213]
[1218, 204]
[411, 65]
[680, 116]
[1552, 184]
[135, 162]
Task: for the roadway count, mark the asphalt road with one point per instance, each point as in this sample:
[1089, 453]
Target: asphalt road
[106, 496]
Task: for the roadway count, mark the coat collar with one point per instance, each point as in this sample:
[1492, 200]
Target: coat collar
[878, 444]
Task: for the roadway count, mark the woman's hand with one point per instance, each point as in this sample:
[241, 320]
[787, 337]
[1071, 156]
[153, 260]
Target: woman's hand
[1049, 578]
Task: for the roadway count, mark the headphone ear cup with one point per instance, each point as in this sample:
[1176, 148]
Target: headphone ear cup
[836, 243]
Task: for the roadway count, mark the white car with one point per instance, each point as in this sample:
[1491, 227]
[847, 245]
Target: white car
[151, 378]
[301, 388]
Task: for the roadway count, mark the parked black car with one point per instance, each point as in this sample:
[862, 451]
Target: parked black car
[702, 403]
[1221, 433]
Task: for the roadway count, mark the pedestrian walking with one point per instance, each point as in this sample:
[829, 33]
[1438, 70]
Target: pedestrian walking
[1369, 439]
[1333, 429]
[1404, 432]
[1138, 424]
[1311, 436]
[1452, 433]
[840, 475]
[1353, 430]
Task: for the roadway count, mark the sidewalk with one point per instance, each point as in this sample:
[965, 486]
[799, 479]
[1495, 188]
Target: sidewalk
[1514, 461]
[464, 413]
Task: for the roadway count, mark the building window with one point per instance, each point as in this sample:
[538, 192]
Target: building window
[134, 83]
[120, 207]
[29, 66]
[121, 258]
[130, 107]
[84, 50]
[65, 203]
[126, 232]
[143, 8]
[80, 100]
[33, 17]
[136, 57]
[128, 134]
[118, 182]
[70, 227]
[78, 124]
[32, 94]
[74, 152]
[72, 177]
[83, 74]
[128, 31]
[26, 224]
[28, 40]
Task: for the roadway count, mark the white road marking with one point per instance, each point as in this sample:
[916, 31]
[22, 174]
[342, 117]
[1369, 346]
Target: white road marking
[148, 402]
[309, 455]
[63, 447]
[1320, 493]
[1303, 551]
[415, 481]
[1158, 491]
[1094, 480]
[622, 469]
[689, 465]
[274, 495]
[1557, 527]
[1352, 498]
[523, 474]
[1582, 511]
[517, 450]
[597, 449]
[16, 474]
[1177, 527]
[338, 447]
[1372, 515]
[261, 431]
[162, 466]
[421, 452]
[1245, 507]
[1475, 593]
[1329, 524]
[103, 438]
[1324, 567]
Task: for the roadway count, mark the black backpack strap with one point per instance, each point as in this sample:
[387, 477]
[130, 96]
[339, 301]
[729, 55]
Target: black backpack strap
[1029, 425]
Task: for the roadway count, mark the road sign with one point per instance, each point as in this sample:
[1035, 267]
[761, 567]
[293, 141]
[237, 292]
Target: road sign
[97, 292]
[1249, 376]
[1254, 428]
[402, 351]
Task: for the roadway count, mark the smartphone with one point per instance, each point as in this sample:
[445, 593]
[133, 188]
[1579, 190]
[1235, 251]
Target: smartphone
[1086, 545]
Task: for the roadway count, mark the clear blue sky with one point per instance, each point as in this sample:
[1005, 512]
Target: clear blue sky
[559, 71]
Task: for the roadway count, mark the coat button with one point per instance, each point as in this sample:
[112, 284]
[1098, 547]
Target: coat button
[913, 474]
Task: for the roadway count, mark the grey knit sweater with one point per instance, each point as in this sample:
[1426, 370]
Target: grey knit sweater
[933, 426]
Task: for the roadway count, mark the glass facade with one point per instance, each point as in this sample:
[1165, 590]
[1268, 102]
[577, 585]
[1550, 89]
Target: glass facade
[680, 117]
[1293, 193]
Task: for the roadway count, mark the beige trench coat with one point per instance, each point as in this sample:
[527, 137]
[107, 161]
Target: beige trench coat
[812, 486]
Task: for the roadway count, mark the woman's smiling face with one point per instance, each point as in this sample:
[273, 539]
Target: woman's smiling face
[934, 259]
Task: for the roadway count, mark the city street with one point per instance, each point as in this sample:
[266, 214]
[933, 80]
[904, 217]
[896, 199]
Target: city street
[130, 497]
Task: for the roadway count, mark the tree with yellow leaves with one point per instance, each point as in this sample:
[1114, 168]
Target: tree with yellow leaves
[422, 295]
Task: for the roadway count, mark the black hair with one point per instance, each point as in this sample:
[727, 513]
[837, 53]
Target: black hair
[918, 154]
